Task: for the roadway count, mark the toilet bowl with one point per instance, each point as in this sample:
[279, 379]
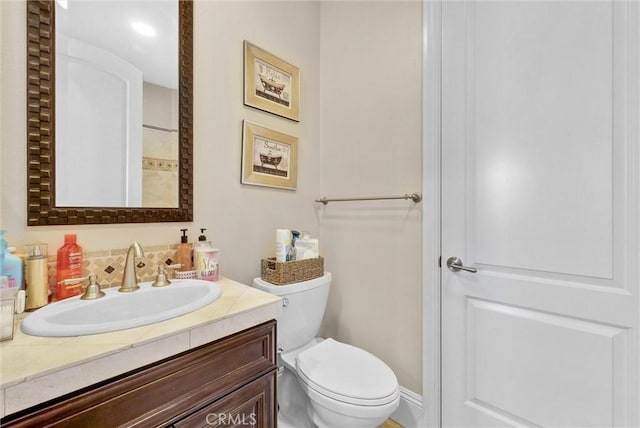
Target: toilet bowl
[325, 383]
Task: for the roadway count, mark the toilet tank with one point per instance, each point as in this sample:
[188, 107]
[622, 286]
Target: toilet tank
[303, 308]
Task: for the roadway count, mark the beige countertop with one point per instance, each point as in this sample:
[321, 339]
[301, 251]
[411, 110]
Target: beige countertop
[36, 369]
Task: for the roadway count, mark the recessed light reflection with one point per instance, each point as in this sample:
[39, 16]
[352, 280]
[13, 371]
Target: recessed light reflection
[144, 29]
[63, 3]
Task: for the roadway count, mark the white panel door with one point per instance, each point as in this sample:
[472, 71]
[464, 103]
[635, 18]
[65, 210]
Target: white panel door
[541, 194]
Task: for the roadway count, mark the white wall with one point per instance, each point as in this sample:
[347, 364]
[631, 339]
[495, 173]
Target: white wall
[371, 145]
[2, 104]
[241, 219]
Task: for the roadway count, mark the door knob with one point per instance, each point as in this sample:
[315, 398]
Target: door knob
[455, 264]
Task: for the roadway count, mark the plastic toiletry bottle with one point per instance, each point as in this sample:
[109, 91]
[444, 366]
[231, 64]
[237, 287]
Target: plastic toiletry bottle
[13, 268]
[69, 266]
[292, 255]
[3, 250]
[206, 259]
[283, 243]
[183, 252]
[10, 264]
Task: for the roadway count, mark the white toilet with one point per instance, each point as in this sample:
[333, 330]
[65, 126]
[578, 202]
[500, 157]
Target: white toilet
[323, 382]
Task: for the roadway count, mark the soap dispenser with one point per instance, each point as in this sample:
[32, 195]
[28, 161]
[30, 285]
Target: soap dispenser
[202, 239]
[183, 252]
[206, 259]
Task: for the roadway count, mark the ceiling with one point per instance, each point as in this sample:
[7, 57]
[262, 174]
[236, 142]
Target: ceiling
[107, 24]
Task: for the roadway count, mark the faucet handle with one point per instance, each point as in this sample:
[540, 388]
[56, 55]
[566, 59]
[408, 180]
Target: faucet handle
[173, 267]
[73, 280]
[92, 291]
[161, 279]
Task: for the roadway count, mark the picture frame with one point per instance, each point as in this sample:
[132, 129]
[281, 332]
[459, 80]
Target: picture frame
[269, 157]
[270, 83]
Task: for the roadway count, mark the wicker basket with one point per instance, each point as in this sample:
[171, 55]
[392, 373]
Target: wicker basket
[283, 273]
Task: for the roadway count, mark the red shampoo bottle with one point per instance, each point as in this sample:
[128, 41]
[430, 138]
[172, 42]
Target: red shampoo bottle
[69, 265]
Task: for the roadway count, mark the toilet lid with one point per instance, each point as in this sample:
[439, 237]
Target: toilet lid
[347, 373]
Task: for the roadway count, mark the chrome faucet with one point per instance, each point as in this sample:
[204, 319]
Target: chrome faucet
[130, 277]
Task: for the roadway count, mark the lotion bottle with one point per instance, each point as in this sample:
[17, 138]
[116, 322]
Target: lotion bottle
[183, 252]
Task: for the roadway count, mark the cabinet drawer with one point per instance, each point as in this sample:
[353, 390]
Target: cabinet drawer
[252, 406]
[164, 391]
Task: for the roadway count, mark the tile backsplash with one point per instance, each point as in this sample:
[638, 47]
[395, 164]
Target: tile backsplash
[108, 265]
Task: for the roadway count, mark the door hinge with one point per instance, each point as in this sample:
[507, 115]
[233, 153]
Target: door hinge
[440, 261]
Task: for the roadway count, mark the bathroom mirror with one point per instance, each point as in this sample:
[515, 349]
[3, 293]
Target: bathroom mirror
[145, 144]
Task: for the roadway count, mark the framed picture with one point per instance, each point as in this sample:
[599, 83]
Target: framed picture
[269, 158]
[270, 84]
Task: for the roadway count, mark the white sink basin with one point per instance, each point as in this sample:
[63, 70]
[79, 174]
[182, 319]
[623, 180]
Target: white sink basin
[119, 311]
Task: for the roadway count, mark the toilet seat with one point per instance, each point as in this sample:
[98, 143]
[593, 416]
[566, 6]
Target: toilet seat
[347, 374]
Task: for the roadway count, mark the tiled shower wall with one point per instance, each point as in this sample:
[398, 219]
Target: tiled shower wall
[160, 169]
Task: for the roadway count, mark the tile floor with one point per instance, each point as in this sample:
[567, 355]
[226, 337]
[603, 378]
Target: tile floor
[390, 423]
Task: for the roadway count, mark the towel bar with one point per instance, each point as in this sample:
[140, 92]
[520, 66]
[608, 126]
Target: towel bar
[415, 197]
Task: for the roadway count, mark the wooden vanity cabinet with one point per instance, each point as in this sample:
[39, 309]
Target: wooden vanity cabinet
[229, 382]
[249, 406]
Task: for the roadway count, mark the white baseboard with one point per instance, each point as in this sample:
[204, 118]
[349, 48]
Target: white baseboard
[409, 412]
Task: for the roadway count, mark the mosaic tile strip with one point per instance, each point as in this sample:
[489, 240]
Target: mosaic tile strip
[159, 164]
[108, 265]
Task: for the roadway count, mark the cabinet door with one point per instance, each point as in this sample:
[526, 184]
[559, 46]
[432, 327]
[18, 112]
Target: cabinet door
[163, 392]
[253, 406]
